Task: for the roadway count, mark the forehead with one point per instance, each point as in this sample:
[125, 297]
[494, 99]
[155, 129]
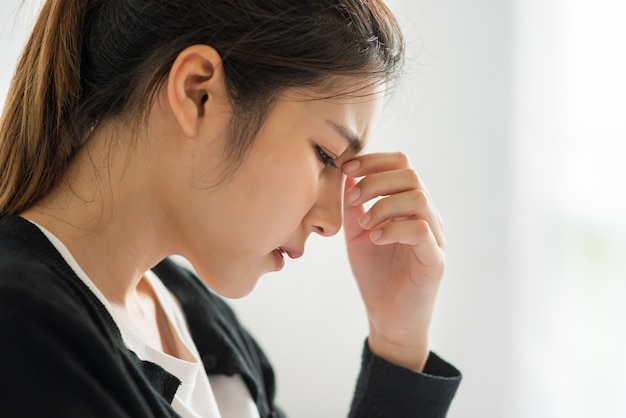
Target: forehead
[344, 89]
[350, 107]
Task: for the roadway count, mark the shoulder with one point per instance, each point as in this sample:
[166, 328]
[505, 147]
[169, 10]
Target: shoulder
[60, 356]
[50, 343]
[33, 275]
[26, 254]
[60, 350]
[41, 298]
[38, 291]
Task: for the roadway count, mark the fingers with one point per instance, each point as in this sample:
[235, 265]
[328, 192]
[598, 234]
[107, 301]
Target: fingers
[376, 163]
[410, 205]
[416, 233]
[382, 184]
[390, 174]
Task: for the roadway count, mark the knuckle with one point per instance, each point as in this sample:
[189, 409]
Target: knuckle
[422, 228]
[420, 198]
[439, 264]
[412, 177]
[402, 158]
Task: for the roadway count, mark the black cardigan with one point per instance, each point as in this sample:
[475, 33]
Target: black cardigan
[62, 355]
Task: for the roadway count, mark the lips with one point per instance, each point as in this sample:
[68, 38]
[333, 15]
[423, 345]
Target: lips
[279, 256]
[291, 252]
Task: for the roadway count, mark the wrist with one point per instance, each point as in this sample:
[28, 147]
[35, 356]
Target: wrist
[411, 354]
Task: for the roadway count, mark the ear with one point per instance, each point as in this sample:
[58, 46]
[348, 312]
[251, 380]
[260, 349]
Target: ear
[195, 81]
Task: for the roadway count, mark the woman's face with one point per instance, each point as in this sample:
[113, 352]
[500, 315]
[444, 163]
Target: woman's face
[289, 185]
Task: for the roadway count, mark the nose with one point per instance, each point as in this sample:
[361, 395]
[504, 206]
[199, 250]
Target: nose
[326, 215]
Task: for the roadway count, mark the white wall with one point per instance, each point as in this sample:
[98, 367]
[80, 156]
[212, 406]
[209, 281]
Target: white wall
[569, 219]
[16, 19]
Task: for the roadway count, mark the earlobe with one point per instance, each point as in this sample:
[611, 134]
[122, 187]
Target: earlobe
[195, 79]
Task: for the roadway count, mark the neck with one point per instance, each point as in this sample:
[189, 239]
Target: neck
[105, 210]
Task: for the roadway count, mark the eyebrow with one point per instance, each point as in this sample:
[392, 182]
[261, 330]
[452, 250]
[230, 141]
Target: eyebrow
[353, 139]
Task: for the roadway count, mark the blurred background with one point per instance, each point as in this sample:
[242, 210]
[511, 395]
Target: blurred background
[514, 114]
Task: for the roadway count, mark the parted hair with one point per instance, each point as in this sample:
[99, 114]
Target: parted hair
[93, 60]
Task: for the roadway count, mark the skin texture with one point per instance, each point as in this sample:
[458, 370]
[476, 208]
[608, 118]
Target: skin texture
[129, 199]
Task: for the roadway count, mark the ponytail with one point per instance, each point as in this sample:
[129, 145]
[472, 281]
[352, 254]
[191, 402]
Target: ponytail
[36, 137]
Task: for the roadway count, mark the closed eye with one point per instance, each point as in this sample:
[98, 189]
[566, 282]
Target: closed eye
[325, 158]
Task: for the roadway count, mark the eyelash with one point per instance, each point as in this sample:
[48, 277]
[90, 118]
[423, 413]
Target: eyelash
[325, 158]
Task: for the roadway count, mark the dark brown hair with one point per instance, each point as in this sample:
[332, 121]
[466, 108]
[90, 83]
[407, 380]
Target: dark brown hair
[93, 60]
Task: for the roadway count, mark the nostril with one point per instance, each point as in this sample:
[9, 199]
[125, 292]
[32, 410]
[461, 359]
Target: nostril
[320, 230]
[327, 231]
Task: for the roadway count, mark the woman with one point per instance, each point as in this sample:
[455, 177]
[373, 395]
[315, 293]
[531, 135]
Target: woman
[226, 132]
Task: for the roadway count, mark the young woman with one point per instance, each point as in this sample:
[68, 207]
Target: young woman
[227, 132]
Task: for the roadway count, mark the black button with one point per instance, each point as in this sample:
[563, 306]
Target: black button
[210, 361]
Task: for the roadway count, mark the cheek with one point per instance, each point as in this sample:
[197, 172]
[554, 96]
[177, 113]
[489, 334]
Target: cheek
[301, 179]
[291, 190]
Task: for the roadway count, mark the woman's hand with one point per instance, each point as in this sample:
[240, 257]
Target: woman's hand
[396, 253]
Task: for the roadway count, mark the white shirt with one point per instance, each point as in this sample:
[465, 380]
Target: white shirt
[198, 396]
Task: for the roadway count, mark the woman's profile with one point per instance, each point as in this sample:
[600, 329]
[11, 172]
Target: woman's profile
[227, 132]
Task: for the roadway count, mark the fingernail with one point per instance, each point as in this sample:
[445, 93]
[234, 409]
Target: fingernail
[365, 219]
[351, 166]
[376, 235]
[354, 194]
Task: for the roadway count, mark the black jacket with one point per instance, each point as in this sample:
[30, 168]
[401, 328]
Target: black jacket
[62, 355]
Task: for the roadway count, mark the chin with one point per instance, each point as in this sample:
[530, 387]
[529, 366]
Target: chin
[234, 293]
[233, 287]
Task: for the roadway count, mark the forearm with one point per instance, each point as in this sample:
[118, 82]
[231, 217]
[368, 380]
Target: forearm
[385, 389]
